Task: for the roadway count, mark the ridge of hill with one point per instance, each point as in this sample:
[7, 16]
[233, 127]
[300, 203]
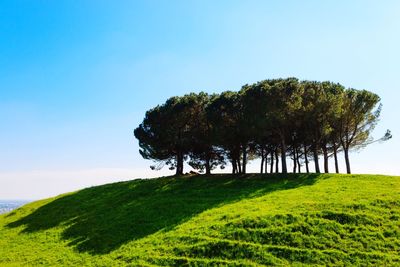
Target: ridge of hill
[224, 220]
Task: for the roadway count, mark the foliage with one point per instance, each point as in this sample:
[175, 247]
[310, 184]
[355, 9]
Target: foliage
[285, 117]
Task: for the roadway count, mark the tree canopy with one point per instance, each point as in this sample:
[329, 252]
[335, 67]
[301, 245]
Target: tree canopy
[275, 120]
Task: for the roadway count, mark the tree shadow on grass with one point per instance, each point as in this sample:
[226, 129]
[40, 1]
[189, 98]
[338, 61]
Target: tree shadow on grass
[100, 219]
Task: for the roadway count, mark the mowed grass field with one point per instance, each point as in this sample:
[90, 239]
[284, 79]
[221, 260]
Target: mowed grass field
[217, 220]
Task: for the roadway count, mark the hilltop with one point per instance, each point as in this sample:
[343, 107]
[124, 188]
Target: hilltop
[241, 220]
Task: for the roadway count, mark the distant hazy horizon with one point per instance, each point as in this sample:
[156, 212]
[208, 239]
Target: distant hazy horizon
[9, 205]
[77, 77]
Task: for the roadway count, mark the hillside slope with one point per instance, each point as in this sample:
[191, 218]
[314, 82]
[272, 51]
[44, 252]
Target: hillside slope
[250, 220]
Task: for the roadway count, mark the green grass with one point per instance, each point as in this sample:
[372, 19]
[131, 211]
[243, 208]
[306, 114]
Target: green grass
[219, 220]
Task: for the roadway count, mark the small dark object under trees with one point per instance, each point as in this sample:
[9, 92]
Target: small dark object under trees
[271, 120]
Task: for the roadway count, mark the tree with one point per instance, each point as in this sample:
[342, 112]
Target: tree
[319, 105]
[164, 135]
[284, 100]
[336, 92]
[255, 109]
[203, 154]
[358, 118]
[226, 117]
[154, 143]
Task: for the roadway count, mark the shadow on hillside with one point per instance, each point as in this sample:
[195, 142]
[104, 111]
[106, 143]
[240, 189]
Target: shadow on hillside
[101, 219]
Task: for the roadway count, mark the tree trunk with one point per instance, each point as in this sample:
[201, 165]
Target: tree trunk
[244, 159]
[335, 156]
[276, 161]
[306, 158]
[271, 170]
[239, 165]
[179, 156]
[234, 166]
[346, 157]
[208, 166]
[179, 163]
[266, 161]
[262, 162]
[326, 163]
[315, 152]
[294, 161]
[283, 156]
[298, 161]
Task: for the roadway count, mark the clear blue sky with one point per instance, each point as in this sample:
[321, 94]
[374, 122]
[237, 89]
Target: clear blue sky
[76, 77]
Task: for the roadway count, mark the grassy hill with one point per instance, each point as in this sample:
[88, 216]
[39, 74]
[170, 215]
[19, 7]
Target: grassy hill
[249, 220]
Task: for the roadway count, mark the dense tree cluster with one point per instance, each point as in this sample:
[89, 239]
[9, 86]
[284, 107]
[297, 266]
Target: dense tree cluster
[274, 120]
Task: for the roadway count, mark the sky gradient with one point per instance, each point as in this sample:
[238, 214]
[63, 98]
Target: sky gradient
[76, 77]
